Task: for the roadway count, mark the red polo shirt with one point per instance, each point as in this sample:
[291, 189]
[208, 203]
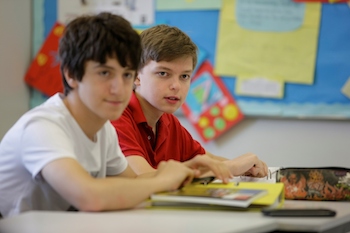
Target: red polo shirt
[136, 137]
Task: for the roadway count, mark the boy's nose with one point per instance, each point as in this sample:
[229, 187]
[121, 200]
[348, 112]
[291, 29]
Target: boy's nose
[117, 85]
[175, 84]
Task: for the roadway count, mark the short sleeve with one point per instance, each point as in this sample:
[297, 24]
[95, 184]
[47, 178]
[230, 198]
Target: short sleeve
[43, 141]
[116, 161]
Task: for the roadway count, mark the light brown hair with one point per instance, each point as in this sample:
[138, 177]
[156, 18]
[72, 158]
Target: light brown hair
[166, 43]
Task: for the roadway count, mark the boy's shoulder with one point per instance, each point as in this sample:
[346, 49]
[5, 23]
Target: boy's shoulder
[51, 109]
[171, 120]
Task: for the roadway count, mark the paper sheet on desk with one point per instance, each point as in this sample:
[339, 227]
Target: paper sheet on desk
[270, 178]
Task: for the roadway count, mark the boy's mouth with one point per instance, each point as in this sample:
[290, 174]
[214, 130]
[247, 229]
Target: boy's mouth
[172, 98]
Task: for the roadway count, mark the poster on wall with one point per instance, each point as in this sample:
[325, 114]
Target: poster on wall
[209, 106]
[44, 72]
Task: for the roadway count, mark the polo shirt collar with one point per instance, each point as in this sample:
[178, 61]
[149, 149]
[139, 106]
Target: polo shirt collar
[138, 114]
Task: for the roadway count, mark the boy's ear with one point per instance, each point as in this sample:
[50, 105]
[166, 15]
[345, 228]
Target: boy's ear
[137, 80]
[71, 81]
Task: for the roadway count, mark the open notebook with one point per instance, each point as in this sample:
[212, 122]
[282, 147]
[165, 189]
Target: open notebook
[270, 178]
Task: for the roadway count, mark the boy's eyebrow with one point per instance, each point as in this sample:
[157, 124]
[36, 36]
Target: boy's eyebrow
[99, 65]
[166, 68]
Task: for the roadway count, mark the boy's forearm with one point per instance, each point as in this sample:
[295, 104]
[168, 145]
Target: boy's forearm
[147, 174]
[115, 193]
[216, 157]
[87, 193]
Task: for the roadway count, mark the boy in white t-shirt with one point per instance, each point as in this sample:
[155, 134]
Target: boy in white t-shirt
[64, 154]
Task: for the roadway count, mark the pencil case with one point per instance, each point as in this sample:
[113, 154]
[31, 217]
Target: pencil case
[318, 183]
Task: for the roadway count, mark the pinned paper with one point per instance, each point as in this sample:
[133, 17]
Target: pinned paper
[346, 88]
[259, 86]
[44, 72]
[209, 105]
[171, 5]
[268, 38]
[138, 12]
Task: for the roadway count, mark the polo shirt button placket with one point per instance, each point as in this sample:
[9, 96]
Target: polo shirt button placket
[149, 137]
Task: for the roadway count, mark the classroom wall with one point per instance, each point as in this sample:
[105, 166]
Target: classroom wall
[285, 142]
[15, 49]
[279, 142]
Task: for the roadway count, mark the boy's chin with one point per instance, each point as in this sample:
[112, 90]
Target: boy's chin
[115, 117]
[172, 111]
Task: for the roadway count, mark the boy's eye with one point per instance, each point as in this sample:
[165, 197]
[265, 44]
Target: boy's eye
[186, 76]
[104, 73]
[163, 74]
[129, 75]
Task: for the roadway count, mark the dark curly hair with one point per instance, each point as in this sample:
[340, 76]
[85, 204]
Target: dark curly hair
[96, 38]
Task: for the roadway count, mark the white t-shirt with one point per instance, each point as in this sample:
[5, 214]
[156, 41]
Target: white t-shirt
[43, 134]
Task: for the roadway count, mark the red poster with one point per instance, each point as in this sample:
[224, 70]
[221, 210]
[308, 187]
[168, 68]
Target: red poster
[209, 105]
[44, 72]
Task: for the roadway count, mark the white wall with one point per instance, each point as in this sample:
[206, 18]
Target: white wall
[15, 56]
[284, 142]
[279, 142]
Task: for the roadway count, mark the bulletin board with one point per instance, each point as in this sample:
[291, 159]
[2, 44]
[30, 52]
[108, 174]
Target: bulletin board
[320, 99]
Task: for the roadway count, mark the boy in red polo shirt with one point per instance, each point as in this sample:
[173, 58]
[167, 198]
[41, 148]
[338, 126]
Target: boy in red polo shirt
[148, 132]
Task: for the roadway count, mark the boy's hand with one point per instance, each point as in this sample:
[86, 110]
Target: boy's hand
[248, 165]
[174, 175]
[203, 163]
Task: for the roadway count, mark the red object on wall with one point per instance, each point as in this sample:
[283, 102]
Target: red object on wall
[209, 105]
[44, 72]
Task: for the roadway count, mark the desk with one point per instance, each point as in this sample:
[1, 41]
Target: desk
[135, 221]
[340, 223]
[157, 220]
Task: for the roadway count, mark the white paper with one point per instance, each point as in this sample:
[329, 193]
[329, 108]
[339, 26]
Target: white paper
[137, 12]
[261, 87]
[270, 178]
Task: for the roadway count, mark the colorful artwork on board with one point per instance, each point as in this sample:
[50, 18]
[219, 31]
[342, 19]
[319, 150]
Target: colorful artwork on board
[209, 105]
[44, 72]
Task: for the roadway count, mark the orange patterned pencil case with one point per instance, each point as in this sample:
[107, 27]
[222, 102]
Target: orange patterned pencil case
[321, 183]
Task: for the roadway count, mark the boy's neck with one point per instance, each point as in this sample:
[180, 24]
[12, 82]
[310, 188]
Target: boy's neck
[88, 122]
[151, 114]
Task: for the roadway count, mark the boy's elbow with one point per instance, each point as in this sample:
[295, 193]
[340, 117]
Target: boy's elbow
[97, 203]
[87, 199]
[90, 203]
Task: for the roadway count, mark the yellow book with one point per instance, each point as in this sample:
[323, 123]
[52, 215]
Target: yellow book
[273, 198]
[218, 196]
